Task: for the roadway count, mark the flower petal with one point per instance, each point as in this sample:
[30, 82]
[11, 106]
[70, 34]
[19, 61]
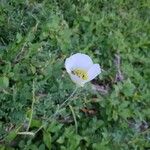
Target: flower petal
[94, 71]
[77, 80]
[78, 60]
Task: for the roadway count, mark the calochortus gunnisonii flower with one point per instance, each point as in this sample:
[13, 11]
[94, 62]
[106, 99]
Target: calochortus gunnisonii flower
[81, 69]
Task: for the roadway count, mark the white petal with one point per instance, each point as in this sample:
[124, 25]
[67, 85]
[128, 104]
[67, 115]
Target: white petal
[77, 80]
[68, 65]
[78, 60]
[94, 71]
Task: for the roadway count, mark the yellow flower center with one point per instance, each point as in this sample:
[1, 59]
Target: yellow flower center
[80, 73]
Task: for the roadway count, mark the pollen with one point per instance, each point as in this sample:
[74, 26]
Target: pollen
[80, 73]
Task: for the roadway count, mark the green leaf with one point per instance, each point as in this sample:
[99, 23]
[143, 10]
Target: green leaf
[4, 82]
[2, 147]
[47, 139]
[18, 37]
[35, 123]
[86, 18]
[125, 113]
[61, 140]
[11, 136]
[128, 88]
[115, 115]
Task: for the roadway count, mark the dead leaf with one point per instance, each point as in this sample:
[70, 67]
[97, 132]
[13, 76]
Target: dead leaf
[119, 75]
[89, 111]
[100, 88]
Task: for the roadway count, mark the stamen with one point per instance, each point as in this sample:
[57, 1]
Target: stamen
[80, 73]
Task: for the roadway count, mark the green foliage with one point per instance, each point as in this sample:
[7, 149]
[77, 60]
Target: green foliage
[35, 39]
[47, 139]
[4, 82]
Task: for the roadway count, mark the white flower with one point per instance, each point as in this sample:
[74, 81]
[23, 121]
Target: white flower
[81, 68]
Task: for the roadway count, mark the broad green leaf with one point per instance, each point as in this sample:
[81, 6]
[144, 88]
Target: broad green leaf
[4, 82]
[35, 123]
[11, 136]
[47, 139]
[61, 140]
[115, 115]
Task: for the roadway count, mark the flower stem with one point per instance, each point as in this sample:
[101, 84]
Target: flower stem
[57, 111]
[59, 108]
[74, 117]
[32, 106]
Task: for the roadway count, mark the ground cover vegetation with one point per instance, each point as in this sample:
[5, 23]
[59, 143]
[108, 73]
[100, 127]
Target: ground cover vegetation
[111, 112]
